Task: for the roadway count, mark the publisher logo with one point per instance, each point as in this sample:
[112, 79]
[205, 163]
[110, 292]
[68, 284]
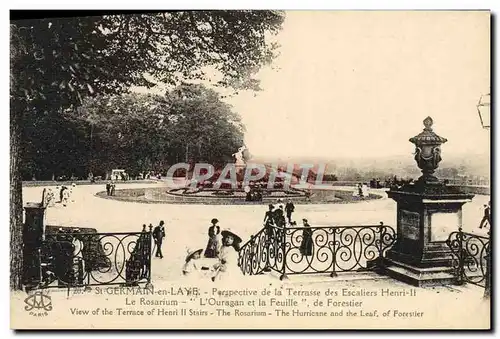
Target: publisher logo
[38, 304]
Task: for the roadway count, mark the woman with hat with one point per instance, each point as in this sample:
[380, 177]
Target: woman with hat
[191, 266]
[306, 246]
[228, 256]
[213, 245]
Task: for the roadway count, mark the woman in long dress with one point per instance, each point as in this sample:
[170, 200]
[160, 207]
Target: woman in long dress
[213, 245]
[227, 267]
[306, 246]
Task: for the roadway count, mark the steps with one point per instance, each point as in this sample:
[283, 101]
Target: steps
[325, 278]
[417, 276]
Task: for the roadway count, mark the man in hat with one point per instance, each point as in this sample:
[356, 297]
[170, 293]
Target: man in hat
[486, 216]
[227, 266]
[158, 235]
[289, 209]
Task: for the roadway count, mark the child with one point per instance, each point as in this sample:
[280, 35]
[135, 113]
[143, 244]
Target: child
[191, 265]
[227, 267]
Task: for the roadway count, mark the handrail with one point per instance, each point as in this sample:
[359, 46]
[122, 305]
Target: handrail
[87, 233]
[317, 249]
[470, 257]
[122, 258]
[332, 226]
[251, 237]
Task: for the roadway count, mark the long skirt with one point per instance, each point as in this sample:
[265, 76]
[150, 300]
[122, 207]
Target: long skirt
[211, 251]
[306, 247]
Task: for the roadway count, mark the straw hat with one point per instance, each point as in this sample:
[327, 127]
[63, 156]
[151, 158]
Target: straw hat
[227, 232]
[190, 253]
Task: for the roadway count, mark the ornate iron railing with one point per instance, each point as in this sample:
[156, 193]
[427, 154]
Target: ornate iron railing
[470, 257]
[316, 249]
[263, 252]
[74, 259]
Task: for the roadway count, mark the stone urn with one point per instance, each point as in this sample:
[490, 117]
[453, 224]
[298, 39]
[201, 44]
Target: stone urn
[428, 151]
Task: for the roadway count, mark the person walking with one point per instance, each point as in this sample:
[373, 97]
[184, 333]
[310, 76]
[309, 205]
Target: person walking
[486, 217]
[289, 209]
[158, 235]
[108, 188]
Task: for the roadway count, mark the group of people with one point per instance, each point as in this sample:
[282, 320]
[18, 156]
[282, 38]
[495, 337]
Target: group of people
[61, 194]
[275, 216]
[361, 190]
[222, 245]
[253, 193]
[110, 188]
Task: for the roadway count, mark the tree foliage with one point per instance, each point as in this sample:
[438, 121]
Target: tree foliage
[70, 58]
[142, 132]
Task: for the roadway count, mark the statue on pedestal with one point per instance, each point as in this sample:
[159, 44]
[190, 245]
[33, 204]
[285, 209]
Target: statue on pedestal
[239, 157]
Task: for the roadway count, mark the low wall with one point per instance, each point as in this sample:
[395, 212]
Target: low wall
[481, 190]
[83, 182]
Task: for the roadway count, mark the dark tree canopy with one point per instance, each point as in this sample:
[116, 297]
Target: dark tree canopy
[70, 58]
[141, 132]
[60, 62]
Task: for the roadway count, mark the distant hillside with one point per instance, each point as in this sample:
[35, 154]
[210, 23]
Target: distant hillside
[381, 167]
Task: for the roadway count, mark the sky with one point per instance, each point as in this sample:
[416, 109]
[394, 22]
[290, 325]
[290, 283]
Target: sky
[359, 84]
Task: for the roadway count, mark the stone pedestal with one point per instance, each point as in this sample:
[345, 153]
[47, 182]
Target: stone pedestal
[426, 214]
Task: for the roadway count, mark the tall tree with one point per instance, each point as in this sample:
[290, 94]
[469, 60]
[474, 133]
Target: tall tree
[56, 62]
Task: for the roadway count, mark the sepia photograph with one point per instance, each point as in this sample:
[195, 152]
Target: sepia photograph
[250, 169]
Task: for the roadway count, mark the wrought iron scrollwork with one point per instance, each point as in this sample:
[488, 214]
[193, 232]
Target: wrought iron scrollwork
[470, 255]
[312, 249]
[264, 251]
[85, 259]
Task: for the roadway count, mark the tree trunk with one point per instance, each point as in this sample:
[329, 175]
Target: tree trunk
[16, 201]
